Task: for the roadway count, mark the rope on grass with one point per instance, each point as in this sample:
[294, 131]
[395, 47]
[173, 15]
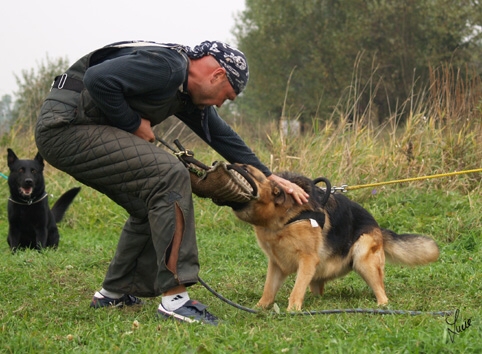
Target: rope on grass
[329, 312]
[345, 187]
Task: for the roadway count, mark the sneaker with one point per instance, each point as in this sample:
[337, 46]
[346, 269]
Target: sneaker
[100, 300]
[191, 311]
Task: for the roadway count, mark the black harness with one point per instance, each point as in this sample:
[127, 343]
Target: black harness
[309, 214]
[318, 216]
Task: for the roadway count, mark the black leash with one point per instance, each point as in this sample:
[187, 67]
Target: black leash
[329, 312]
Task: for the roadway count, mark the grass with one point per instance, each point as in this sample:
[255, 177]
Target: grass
[46, 295]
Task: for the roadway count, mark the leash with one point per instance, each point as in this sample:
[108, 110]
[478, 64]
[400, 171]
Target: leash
[329, 312]
[344, 188]
[4, 176]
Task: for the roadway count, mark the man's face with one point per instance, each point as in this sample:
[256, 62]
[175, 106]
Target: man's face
[214, 91]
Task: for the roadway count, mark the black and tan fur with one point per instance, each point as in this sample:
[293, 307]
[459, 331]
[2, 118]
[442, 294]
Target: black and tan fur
[330, 241]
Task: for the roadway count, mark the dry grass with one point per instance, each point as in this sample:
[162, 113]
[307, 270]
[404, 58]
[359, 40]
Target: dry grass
[436, 131]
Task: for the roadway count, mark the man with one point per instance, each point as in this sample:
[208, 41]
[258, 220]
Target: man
[96, 125]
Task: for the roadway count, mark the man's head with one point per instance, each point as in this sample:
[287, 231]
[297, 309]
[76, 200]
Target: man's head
[229, 58]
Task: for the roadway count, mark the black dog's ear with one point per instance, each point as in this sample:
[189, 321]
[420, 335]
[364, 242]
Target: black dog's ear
[11, 157]
[278, 194]
[39, 158]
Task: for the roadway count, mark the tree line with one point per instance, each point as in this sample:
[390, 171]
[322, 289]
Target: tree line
[309, 57]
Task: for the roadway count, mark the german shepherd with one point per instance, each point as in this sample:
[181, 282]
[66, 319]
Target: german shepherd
[31, 223]
[323, 239]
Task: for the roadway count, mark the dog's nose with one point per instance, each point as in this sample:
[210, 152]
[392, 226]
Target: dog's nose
[29, 182]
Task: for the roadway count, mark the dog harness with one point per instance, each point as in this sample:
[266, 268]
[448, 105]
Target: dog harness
[315, 216]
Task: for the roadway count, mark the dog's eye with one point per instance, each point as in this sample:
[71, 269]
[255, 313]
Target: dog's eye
[21, 170]
[34, 171]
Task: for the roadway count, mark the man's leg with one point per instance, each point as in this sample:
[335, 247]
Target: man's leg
[131, 269]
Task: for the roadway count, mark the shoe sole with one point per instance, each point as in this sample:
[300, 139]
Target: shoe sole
[118, 305]
[99, 304]
[175, 316]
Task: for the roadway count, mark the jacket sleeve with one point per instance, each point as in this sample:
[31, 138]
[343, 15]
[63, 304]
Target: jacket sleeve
[223, 138]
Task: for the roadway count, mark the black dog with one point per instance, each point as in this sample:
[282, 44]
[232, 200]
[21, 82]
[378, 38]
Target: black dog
[31, 223]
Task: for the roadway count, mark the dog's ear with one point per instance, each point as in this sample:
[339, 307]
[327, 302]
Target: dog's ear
[39, 158]
[11, 157]
[279, 195]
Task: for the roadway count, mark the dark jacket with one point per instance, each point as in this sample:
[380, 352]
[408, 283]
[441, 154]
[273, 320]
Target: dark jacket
[133, 80]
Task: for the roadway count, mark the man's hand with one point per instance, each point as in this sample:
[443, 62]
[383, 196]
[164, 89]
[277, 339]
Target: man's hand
[296, 191]
[145, 131]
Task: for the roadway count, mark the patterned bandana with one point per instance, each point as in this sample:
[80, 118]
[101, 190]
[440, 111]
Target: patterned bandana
[231, 59]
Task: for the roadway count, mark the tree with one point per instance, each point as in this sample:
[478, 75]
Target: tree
[5, 113]
[379, 48]
[33, 88]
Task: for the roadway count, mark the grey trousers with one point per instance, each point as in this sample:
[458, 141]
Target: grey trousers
[145, 180]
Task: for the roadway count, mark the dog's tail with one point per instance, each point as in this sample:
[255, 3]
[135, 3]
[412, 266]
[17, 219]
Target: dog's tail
[409, 249]
[61, 205]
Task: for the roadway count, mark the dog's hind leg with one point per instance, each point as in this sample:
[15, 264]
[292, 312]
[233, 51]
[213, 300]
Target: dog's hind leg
[369, 262]
[274, 279]
[306, 271]
[317, 287]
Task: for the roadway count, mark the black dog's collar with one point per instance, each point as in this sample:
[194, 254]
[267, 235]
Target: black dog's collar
[30, 201]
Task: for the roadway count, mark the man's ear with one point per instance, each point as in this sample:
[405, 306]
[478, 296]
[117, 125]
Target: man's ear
[219, 74]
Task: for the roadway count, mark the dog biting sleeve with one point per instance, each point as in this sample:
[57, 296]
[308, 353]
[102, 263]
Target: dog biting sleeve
[222, 183]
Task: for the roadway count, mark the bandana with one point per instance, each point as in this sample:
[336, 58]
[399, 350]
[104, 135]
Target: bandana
[231, 59]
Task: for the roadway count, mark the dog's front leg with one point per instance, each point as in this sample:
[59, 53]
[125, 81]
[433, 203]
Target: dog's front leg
[306, 271]
[274, 279]
[13, 239]
[41, 235]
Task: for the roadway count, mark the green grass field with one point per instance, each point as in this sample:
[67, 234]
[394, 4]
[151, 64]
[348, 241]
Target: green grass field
[45, 296]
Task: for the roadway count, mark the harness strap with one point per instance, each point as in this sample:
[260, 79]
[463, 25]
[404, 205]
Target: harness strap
[67, 83]
[312, 214]
[309, 214]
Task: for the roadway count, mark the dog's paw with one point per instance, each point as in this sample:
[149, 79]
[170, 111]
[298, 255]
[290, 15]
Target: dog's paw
[294, 307]
[264, 304]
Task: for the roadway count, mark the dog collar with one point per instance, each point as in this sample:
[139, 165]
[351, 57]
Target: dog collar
[30, 201]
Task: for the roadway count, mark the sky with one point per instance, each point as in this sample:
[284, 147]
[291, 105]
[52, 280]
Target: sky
[33, 30]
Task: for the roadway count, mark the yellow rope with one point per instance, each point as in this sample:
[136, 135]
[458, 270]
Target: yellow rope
[412, 179]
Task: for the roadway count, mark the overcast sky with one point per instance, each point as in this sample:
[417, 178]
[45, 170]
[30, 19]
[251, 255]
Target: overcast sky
[32, 29]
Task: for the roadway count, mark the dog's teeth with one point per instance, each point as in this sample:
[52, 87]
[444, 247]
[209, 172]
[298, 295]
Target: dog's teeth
[26, 191]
